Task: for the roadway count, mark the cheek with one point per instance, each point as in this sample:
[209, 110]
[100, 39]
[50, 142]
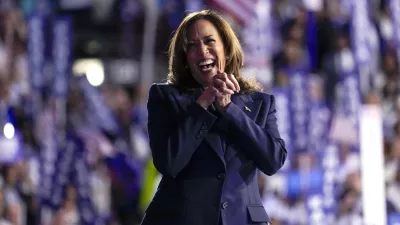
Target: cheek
[219, 50]
[190, 63]
[191, 58]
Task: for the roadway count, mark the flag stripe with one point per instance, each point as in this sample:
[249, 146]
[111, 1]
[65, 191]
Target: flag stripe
[246, 5]
[235, 10]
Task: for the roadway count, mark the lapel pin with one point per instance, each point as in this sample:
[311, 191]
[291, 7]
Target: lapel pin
[247, 108]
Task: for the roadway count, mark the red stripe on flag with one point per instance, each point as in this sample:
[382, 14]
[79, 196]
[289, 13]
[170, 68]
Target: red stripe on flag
[236, 10]
[247, 5]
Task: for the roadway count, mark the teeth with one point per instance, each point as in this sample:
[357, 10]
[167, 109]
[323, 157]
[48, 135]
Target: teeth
[206, 62]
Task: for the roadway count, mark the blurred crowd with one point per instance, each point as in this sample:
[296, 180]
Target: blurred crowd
[110, 174]
[379, 85]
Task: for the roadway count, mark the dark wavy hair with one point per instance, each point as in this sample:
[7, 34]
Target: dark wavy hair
[179, 73]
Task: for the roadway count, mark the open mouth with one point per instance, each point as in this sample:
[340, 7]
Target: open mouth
[206, 65]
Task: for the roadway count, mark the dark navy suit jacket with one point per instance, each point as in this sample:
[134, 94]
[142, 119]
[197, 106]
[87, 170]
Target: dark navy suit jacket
[209, 161]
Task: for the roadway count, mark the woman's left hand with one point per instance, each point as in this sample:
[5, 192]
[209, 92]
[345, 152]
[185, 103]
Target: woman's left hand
[226, 85]
[222, 102]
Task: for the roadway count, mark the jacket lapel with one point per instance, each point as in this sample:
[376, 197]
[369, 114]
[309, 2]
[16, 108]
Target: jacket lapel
[186, 98]
[244, 102]
[247, 105]
[251, 109]
[213, 139]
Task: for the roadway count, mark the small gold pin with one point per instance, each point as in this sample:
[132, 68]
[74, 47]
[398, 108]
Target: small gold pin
[247, 108]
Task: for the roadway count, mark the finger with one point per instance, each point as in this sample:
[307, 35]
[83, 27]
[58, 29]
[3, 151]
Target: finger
[214, 90]
[221, 76]
[230, 85]
[224, 77]
[212, 94]
[220, 96]
[225, 90]
[219, 83]
[209, 93]
[235, 82]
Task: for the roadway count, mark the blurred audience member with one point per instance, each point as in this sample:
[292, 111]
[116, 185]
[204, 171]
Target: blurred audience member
[68, 214]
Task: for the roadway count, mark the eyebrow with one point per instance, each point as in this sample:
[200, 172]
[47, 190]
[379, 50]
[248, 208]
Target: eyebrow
[208, 36]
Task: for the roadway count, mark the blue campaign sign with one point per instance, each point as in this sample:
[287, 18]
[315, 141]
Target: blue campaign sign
[395, 9]
[44, 7]
[318, 127]
[36, 50]
[347, 107]
[360, 23]
[194, 5]
[282, 109]
[299, 111]
[98, 108]
[282, 103]
[258, 43]
[315, 208]
[330, 164]
[394, 219]
[321, 201]
[62, 54]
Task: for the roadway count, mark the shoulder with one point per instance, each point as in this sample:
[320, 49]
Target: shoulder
[261, 96]
[161, 89]
[162, 86]
[268, 100]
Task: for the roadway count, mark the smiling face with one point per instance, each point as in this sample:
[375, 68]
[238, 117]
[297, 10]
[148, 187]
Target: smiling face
[205, 51]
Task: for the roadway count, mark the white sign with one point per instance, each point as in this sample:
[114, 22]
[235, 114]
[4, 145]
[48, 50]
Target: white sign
[372, 165]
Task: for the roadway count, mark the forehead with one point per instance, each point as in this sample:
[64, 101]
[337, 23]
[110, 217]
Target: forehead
[201, 29]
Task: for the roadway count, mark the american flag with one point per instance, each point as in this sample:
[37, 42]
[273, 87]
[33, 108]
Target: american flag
[241, 10]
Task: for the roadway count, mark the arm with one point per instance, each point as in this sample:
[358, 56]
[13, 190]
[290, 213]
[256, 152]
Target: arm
[260, 143]
[174, 136]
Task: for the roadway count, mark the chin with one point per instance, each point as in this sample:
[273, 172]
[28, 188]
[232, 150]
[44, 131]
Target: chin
[210, 78]
[205, 79]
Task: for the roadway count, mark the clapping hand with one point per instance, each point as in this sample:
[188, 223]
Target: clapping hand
[226, 86]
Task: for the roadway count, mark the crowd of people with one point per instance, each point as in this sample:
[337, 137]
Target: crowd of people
[121, 178]
[335, 50]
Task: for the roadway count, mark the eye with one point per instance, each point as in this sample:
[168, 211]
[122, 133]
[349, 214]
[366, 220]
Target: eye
[189, 45]
[209, 41]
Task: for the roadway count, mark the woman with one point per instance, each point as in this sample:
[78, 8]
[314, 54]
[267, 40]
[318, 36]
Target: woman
[210, 129]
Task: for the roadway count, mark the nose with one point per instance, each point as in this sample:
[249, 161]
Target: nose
[203, 49]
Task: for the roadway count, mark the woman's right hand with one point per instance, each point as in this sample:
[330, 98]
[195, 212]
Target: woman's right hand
[208, 97]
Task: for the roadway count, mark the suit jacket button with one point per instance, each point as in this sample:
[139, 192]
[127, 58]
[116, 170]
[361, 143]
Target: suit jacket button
[221, 176]
[224, 205]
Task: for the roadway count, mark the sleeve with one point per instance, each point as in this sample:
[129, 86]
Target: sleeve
[260, 143]
[174, 135]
